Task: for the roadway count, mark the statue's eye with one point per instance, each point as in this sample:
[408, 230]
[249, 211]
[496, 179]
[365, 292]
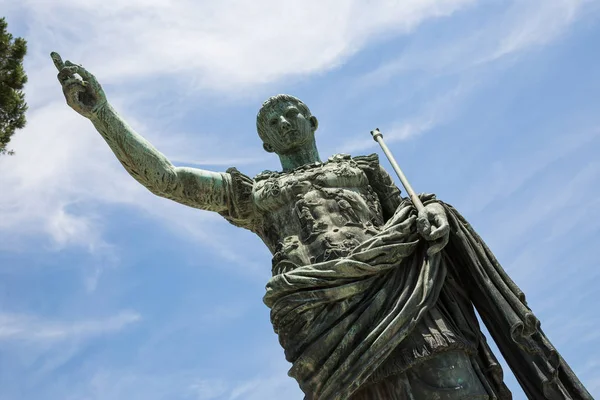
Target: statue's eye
[273, 122]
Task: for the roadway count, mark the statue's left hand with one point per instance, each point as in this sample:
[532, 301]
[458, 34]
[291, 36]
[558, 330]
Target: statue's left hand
[432, 225]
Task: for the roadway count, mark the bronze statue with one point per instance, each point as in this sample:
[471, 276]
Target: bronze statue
[370, 298]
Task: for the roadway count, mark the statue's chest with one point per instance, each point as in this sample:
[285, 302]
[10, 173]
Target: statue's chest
[317, 212]
[282, 190]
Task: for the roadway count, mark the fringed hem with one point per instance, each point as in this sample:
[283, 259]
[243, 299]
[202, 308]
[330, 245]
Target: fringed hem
[432, 345]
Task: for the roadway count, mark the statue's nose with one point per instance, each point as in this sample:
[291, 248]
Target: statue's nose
[284, 124]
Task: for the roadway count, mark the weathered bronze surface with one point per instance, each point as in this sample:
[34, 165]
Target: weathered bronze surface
[370, 299]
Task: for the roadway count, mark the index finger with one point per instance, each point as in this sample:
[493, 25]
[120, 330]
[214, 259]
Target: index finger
[58, 62]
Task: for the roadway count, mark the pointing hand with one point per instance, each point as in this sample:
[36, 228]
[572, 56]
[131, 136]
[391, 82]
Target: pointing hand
[81, 89]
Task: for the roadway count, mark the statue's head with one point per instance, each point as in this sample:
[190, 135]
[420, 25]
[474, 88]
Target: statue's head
[285, 124]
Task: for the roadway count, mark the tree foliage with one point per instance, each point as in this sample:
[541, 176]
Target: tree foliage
[12, 81]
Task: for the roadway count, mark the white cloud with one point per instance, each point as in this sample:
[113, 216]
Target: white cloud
[228, 44]
[189, 385]
[62, 163]
[400, 131]
[509, 176]
[519, 28]
[34, 329]
[279, 386]
[58, 167]
[207, 390]
[535, 23]
[63, 169]
[259, 377]
[437, 111]
[64, 172]
[529, 212]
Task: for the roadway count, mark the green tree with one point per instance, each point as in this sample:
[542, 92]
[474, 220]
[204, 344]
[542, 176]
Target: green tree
[12, 80]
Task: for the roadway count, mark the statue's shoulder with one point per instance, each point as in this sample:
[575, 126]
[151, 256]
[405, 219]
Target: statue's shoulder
[378, 177]
[372, 158]
[266, 174]
[341, 157]
[368, 163]
[240, 179]
[240, 211]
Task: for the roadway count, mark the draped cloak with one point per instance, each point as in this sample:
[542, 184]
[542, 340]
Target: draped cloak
[340, 320]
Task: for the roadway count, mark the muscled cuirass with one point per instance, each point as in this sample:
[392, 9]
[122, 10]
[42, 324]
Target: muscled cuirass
[323, 211]
[317, 212]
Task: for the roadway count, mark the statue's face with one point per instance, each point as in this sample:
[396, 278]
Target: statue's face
[287, 128]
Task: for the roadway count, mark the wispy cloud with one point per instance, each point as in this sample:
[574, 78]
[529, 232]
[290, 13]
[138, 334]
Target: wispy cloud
[227, 45]
[18, 327]
[61, 180]
[63, 166]
[464, 55]
[515, 30]
[64, 180]
[536, 23]
[47, 182]
[436, 112]
[526, 172]
[279, 386]
[190, 385]
[509, 176]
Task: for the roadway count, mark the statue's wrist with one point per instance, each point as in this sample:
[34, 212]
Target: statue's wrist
[99, 111]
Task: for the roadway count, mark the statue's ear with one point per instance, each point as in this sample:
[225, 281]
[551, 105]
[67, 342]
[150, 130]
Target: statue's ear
[268, 148]
[314, 123]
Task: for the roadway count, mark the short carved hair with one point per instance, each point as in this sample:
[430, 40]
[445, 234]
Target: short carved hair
[261, 118]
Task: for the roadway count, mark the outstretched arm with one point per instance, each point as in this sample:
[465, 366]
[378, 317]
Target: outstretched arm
[194, 187]
[191, 186]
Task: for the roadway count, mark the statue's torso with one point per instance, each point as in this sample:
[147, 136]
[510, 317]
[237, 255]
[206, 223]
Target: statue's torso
[322, 212]
[318, 212]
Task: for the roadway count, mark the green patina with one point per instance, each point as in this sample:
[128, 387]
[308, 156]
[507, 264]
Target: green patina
[371, 300]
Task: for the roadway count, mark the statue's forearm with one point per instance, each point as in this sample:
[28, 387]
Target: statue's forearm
[193, 187]
[142, 160]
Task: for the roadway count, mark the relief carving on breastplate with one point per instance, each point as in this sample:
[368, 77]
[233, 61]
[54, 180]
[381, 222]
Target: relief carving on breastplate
[271, 187]
[350, 241]
[374, 205]
[333, 249]
[350, 207]
[292, 250]
[311, 228]
[310, 203]
[347, 212]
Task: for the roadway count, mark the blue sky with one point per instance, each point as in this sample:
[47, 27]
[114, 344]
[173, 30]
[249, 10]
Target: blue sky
[108, 292]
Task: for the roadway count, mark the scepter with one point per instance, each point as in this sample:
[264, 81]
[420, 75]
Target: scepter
[378, 137]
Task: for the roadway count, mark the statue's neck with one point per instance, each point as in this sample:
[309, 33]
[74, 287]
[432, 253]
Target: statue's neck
[303, 156]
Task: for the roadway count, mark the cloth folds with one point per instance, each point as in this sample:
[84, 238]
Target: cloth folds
[339, 320]
[540, 370]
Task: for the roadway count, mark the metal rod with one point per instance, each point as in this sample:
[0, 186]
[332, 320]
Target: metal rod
[378, 137]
